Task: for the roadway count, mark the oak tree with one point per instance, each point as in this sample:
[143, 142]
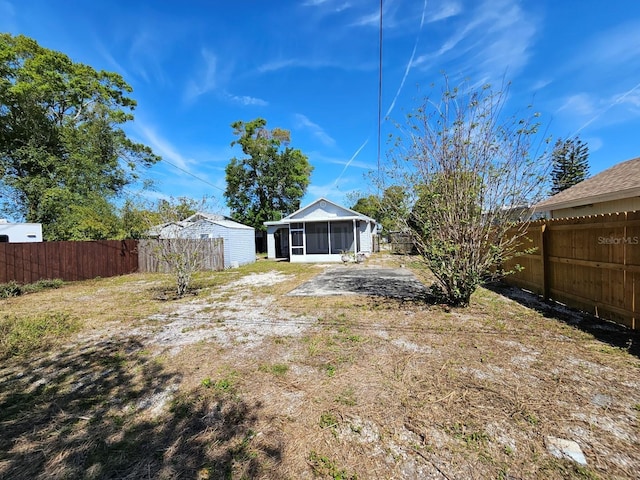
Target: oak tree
[271, 179]
[61, 137]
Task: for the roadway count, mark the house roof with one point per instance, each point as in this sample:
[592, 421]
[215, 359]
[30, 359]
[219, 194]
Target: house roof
[195, 219]
[324, 205]
[616, 183]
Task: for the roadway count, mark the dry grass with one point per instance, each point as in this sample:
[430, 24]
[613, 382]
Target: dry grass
[354, 387]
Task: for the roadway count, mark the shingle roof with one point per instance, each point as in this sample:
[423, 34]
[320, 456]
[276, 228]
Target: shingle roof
[620, 181]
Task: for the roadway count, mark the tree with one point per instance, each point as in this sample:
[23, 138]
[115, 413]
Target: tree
[271, 180]
[180, 252]
[61, 141]
[384, 210]
[570, 160]
[465, 167]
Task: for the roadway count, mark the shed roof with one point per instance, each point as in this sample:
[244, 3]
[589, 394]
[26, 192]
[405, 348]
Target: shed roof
[616, 183]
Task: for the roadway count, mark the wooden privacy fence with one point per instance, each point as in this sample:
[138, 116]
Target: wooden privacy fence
[590, 263]
[207, 252]
[69, 261]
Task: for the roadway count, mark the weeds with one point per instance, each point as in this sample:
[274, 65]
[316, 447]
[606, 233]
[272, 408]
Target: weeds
[14, 289]
[21, 335]
[323, 465]
[277, 369]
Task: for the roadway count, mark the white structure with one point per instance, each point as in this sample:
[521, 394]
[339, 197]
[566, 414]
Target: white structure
[320, 232]
[239, 239]
[20, 232]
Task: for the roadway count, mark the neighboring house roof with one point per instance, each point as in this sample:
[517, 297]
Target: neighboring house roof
[171, 228]
[320, 210]
[616, 183]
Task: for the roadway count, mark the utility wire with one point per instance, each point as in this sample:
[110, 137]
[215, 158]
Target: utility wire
[379, 95]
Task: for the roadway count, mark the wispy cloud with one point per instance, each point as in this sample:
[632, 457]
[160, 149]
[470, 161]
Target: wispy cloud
[409, 63]
[309, 63]
[7, 16]
[161, 146]
[206, 80]
[315, 129]
[494, 39]
[246, 100]
[110, 59]
[617, 46]
[351, 160]
[446, 10]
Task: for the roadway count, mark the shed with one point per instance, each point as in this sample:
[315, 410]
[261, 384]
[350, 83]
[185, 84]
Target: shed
[239, 239]
[20, 232]
[616, 189]
[321, 232]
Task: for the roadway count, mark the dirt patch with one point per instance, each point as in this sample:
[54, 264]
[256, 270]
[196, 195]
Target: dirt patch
[246, 381]
[397, 283]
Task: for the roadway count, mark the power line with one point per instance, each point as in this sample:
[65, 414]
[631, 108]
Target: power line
[192, 175]
[379, 94]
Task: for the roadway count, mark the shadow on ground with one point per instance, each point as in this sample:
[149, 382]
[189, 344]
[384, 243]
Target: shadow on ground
[615, 335]
[397, 283]
[110, 410]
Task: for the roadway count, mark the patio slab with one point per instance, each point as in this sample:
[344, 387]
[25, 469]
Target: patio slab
[397, 283]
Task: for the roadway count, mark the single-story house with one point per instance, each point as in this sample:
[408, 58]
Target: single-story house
[20, 232]
[320, 232]
[239, 239]
[616, 189]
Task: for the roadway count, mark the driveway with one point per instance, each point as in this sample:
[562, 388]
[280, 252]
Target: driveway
[397, 283]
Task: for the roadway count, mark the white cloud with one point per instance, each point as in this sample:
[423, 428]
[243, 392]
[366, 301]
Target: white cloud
[246, 100]
[494, 39]
[447, 10]
[316, 130]
[617, 46]
[207, 78]
[161, 146]
[580, 104]
[7, 16]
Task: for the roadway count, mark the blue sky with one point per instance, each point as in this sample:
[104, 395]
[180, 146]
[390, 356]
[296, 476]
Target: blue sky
[311, 66]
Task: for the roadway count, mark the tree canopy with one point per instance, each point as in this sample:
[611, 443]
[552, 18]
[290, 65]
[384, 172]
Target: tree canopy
[570, 164]
[63, 152]
[271, 180]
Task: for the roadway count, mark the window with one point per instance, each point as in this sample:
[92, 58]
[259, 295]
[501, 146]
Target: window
[341, 237]
[4, 238]
[317, 238]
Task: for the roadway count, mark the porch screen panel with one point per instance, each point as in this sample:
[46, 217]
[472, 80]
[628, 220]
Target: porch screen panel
[341, 237]
[317, 238]
[297, 239]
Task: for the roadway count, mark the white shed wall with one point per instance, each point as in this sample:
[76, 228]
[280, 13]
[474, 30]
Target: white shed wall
[22, 232]
[239, 242]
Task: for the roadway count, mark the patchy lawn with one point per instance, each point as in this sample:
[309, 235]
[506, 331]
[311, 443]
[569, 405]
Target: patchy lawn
[244, 381]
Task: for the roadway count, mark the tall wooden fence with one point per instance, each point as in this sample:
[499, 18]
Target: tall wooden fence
[590, 263]
[208, 253]
[70, 261]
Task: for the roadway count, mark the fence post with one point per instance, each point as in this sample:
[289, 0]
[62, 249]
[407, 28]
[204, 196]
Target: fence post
[544, 253]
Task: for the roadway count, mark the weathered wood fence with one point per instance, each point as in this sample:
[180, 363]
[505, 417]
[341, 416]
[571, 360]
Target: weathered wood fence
[69, 261]
[208, 253]
[73, 261]
[590, 263]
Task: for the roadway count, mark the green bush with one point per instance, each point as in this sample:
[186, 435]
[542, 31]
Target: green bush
[11, 289]
[14, 289]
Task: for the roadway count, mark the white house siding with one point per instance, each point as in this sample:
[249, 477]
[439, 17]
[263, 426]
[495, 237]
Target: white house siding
[320, 212]
[365, 237]
[612, 206]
